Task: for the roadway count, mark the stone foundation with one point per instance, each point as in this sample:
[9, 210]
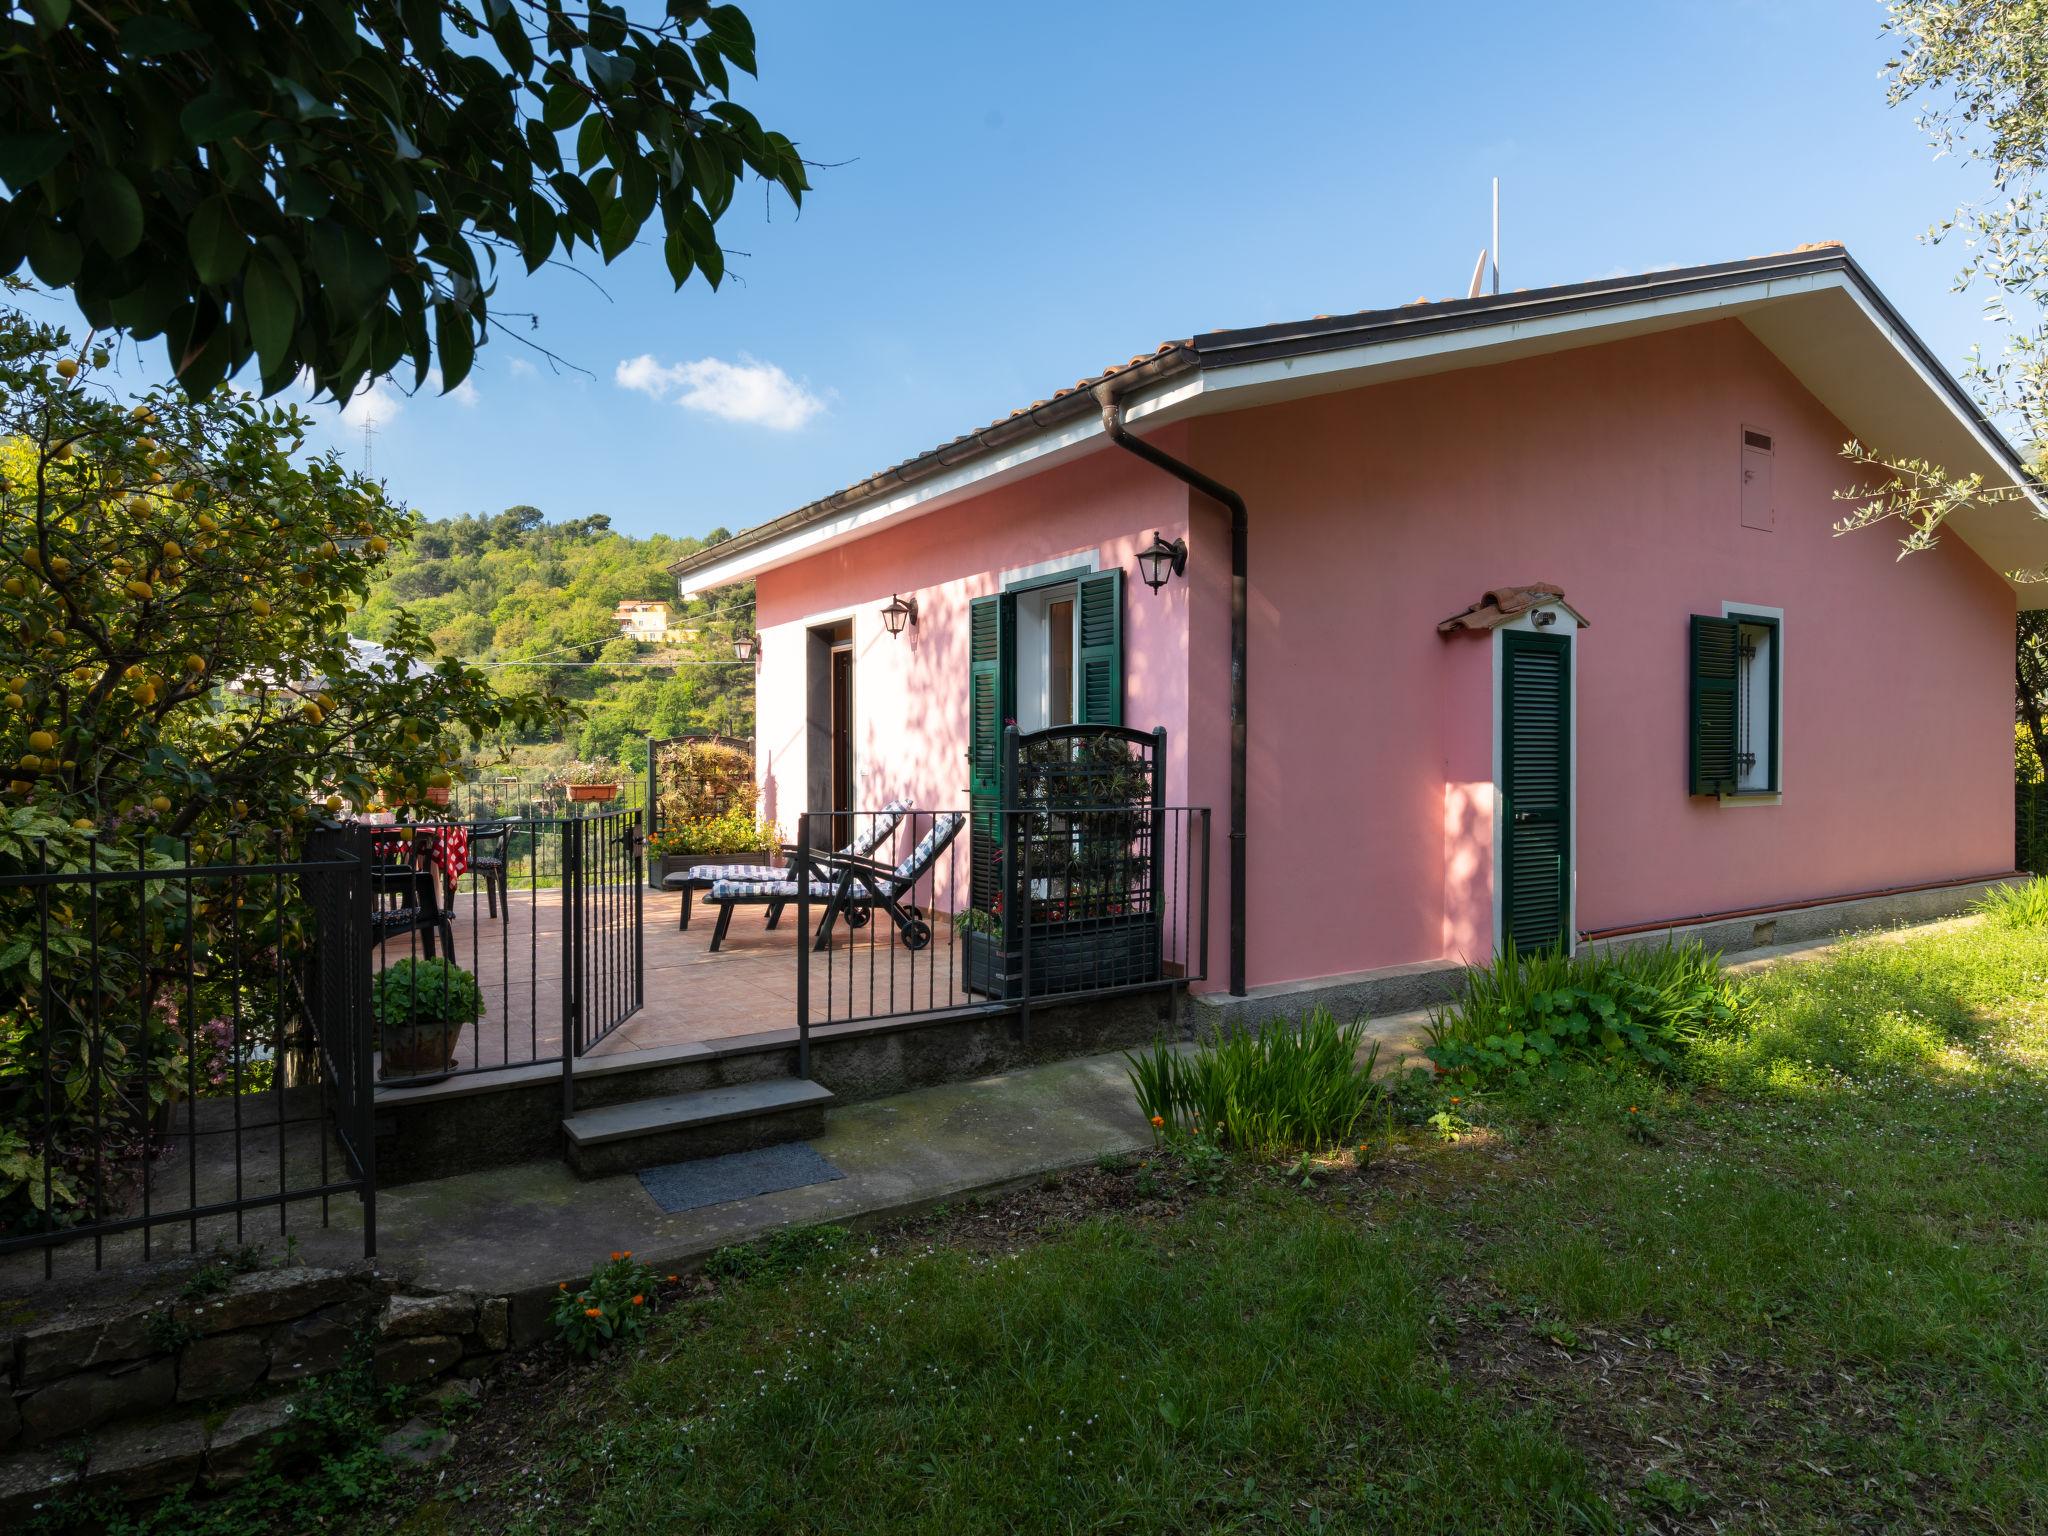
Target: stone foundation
[150, 1393]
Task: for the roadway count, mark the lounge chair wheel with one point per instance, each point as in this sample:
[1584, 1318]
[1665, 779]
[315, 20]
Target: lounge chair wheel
[856, 917]
[916, 933]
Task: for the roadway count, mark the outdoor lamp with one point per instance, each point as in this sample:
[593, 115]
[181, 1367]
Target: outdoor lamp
[743, 647]
[900, 611]
[1160, 560]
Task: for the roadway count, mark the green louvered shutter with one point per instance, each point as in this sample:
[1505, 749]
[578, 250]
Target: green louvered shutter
[1536, 786]
[1101, 601]
[1710, 754]
[991, 701]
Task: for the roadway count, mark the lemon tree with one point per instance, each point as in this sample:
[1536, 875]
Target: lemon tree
[177, 687]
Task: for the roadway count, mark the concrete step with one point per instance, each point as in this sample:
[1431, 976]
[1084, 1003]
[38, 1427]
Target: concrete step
[646, 1133]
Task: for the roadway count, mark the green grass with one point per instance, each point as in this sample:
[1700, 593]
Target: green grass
[2023, 904]
[1801, 1286]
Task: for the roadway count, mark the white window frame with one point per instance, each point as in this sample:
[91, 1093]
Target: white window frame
[1034, 651]
[1760, 797]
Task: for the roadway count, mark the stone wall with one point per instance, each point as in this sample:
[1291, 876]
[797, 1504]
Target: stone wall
[152, 1393]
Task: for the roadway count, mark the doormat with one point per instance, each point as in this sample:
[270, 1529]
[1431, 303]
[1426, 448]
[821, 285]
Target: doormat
[736, 1175]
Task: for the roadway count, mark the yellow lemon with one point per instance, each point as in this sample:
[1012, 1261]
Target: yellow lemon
[66, 368]
[42, 741]
[260, 607]
[160, 803]
[14, 586]
[83, 824]
[334, 802]
[173, 549]
[141, 591]
[195, 663]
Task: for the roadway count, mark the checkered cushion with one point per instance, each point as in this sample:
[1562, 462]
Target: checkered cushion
[758, 890]
[907, 874]
[881, 827]
[716, 872]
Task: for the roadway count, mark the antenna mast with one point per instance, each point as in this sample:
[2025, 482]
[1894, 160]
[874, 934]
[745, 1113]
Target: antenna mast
[1495, 247]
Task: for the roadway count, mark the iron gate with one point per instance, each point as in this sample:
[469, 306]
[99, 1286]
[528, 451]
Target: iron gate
[544, 912]
[604, 978]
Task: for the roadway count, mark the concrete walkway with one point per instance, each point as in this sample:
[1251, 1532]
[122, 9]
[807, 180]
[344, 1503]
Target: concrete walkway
[522, 1228]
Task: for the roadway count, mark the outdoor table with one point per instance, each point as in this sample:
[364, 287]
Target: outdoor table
[450, 853]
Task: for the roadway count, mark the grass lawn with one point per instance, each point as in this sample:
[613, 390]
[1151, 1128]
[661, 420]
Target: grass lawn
[1806, 1291]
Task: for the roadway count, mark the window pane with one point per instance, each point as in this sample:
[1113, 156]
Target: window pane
[1059, 662]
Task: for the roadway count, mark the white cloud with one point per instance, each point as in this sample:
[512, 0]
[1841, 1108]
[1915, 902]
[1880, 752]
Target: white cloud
[750, 391]
[521, 368]
[375, 407]
[465, 393]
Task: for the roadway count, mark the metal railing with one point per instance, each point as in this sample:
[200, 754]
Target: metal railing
[544, 912]
[187, 1043]
[1090, 902]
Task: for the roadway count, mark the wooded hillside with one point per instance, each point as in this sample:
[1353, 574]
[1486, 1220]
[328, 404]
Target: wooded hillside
[516, 588]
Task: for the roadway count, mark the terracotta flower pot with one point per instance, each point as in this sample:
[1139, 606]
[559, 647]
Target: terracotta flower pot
[592, 791]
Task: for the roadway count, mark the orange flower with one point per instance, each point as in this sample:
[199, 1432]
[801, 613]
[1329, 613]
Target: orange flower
[593, 1311]
[561, 1285]
[1455, 1099]
[1158, 1121]
[672, 1279]
[639, 1301]
[616, 1257]
[1631, 1109]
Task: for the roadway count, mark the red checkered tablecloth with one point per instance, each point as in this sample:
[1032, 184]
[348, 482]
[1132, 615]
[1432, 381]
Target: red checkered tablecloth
[451, 848]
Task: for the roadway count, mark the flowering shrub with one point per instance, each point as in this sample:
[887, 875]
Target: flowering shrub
[734, 831]
[613, 1305]
[579, 772]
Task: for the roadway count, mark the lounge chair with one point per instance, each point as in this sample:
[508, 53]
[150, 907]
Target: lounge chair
[881, 826]
[852, 888]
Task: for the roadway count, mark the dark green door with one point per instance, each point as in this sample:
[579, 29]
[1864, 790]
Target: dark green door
[1536, 787]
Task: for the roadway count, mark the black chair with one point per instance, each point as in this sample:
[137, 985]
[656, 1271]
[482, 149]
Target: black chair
[408, 900]
[488, 847]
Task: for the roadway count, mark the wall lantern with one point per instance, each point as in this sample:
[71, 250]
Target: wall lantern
[1160, 560]
[743, 647]
[899, 612]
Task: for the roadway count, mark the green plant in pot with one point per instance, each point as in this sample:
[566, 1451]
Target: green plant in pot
[420, 1008]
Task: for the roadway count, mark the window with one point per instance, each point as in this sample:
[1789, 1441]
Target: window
[1756, 707]
[1046, 647]
[1737, 665]
[1059, 660]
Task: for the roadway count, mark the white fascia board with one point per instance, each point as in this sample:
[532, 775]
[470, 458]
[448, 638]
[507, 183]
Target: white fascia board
[1371, 355]
[1995, 451]
[926, 495]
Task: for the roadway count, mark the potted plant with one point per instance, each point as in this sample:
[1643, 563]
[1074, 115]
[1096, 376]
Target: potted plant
[589, 781]
[1083, 827]
[420, 1007]
[731, 837]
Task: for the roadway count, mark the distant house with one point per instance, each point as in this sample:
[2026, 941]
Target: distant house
[1532, 605]
[642, 621]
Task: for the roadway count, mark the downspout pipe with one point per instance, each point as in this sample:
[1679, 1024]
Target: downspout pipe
[1240, 609]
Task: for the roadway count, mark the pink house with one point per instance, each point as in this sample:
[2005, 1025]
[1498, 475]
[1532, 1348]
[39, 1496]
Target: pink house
[1518, 617]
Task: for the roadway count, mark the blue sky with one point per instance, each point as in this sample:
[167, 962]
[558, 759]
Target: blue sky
[1031, 192]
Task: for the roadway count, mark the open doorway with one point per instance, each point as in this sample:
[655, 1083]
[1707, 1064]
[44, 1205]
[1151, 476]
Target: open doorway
[831, 787]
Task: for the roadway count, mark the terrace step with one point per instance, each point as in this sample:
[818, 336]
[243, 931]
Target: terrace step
[647, 1133]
